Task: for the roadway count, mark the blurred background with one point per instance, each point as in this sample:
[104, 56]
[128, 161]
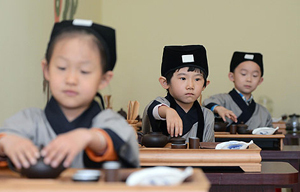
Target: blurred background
[143, 28]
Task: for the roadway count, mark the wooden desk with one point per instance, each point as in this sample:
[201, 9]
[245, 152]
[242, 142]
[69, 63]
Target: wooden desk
[248, 159]
[289, 153]
[263, 141]
[281, 125]
[273, 175]
[12, 182]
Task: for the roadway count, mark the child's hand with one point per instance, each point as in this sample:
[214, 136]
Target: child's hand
[66, 146]
[21, 151]
[223, 112]
[174, 123]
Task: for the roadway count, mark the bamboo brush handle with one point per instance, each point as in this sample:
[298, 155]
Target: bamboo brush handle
[135, 110]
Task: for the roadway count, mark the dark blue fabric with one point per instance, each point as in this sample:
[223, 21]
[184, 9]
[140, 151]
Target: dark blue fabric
[118, 142]
[210, 105]
[60, 125]
[247, 110]
[194, 115]
[157, 125]
[59, 122]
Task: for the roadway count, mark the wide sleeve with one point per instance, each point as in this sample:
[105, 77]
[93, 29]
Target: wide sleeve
[146, 127]
[23, 123]
[110, 152]
[122, 135]
[269, 119]
[208, 134]
[149, 123]
[217, 99]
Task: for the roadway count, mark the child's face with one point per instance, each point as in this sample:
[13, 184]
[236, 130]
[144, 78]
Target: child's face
[186, 86]
[246, 77]
[74, 72]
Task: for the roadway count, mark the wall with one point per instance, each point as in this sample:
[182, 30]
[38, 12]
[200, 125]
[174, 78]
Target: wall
[25, 30]
[271, 27]
[143, 28]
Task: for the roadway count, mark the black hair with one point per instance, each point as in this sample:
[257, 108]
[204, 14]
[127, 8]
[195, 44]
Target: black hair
[170, 74]
[72, 31]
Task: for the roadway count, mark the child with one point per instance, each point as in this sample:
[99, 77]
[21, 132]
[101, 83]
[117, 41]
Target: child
[79, 61]
[238, 106]
[184, 73]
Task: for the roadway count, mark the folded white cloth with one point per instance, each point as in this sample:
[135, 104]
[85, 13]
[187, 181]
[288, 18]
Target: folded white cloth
[159, 176]
[233, 145]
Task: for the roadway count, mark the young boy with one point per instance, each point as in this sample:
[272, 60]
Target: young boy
[72, 128]
[238, 106]
[184, 72]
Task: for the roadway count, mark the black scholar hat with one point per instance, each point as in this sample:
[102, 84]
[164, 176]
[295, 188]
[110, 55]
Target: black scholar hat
[176, 57]
[106, 35]
[239, 57]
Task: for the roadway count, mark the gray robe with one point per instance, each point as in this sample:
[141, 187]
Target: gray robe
[260, 118]
[208, 132]
[32, 124]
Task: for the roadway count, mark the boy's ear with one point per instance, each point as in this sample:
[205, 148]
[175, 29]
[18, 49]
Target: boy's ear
[207, 82]
[261, 80]
[45, 68]
[105, 79]
[163, 82]
[231, 76]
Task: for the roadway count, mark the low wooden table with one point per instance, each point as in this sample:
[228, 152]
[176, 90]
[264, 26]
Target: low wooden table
[12, 182]
[247, 159]
[273, 175]
[289, 153]
[263, 141]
